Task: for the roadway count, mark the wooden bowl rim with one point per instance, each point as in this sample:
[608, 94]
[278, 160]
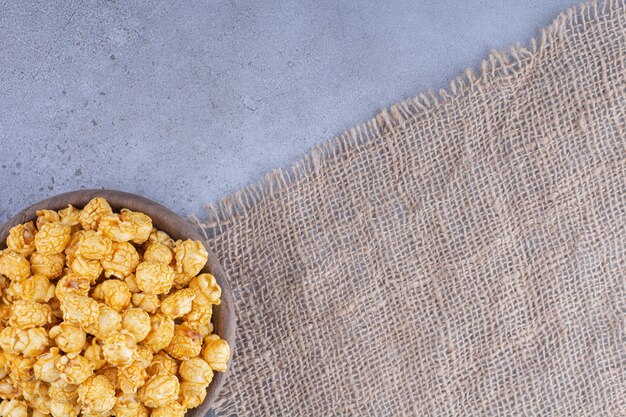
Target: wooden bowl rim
[177, 227]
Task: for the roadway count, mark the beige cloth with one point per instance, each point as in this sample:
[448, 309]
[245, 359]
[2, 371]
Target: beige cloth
[461, 254]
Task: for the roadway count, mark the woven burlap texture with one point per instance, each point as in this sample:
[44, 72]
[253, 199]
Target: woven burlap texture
[461, 254]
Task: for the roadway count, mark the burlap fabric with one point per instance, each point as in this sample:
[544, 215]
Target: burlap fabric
[461, 254]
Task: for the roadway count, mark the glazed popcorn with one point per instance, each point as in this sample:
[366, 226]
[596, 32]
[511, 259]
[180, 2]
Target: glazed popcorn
[103, 315]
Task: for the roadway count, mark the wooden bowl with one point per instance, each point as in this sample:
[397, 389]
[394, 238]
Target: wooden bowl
[174, 225]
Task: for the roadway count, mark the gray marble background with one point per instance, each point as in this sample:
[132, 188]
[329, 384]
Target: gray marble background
[187, 102]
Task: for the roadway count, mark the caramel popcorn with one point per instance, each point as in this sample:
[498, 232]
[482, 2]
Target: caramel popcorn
[93, 212]
[53, 237]
[185, 344]
[158, 252]
[147, 302]
[158, 236]
[131, 377]
[21, 238]
[37, 288]
[127, 405]
[93, 245]
[142, 223]
[178, 304]
[196, 370]
[120, 349]
[172, 409]
[90, 268]
[159, 391]
[79, 309]
[96, 395]
[70, 216]
[13, 408]
[161, 332]
[46, 216]
[108, 324]
[50, 266]
[74, 370]
[26, 314]
[116, 229]
[114, 293]
[137, 322]
[162, 363]
[154, 278]
[207, 289]
[122, 261]
[190, 257]
[13, 265]
[45, 368]
[68, 337]
[192, 394]
[216, 352]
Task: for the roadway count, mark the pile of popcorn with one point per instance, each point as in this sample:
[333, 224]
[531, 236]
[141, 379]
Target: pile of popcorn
[104, 315]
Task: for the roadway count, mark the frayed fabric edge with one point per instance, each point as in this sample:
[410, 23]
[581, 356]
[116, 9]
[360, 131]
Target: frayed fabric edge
[498, 64]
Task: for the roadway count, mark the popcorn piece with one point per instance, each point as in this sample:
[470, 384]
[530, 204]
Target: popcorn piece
[21, 238]
[179, 303]
[45, 368]
[53, 237]
[15, 266]
[46, 216]
[158, 236]
[9, 339]
[113, 227]
[75, 370]
[68, 337]
[207, 289]
[154, 278]
[144, 356]
[196, 370]
[80, 310]
[200, 314]
[162, 363]
[159, 253]
[110, 372]
[72, 247]
[161, 332]
[62, 391]
[127, 405]
[122, 261]
[50, 266]
[13, 408]
[143, 224]
[114, 293]
[64, 409]
[32, 342]
[4, 365]
[109, 323]
[93, 245]
[36, 288]
[93, 212]
[72, 284]
[159, 391]
[131, 283]
[147, 302]
[216, 352]
[172, 409]
[7, 390]
[96, 395]
[90, 268]
[182, 280]
[120, 349]
[190, 257]
[191, 394]
[137, 322]
[94, 353]
[22, 369]
[131, 377]
[26, 314]
[70, 216]
[185, 344]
